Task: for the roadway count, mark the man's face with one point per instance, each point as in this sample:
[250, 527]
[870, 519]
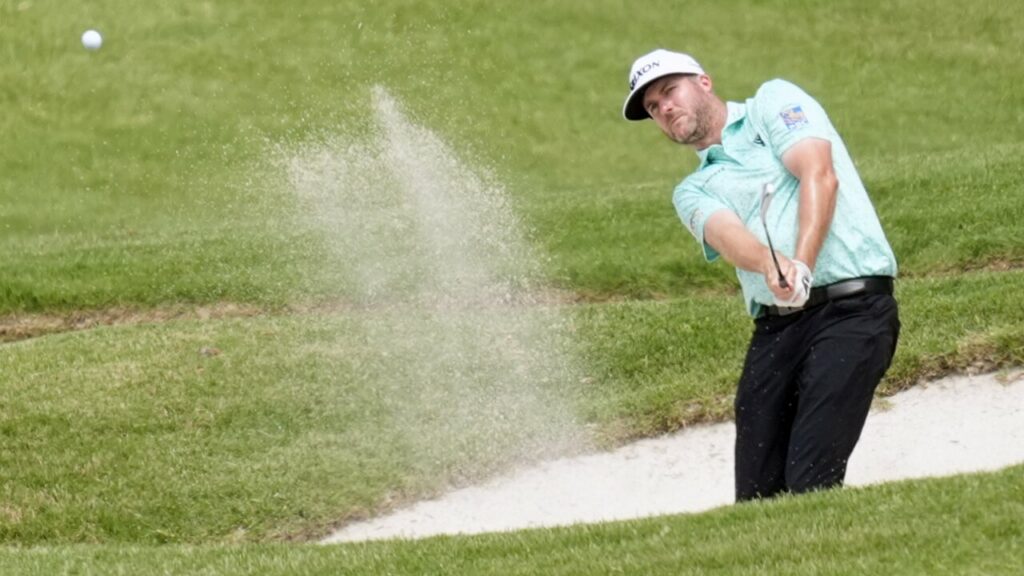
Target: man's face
[681, 106]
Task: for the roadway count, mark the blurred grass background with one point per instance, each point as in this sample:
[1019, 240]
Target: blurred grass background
[140, 174]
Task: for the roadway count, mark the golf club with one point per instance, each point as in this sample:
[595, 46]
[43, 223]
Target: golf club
[766, 197]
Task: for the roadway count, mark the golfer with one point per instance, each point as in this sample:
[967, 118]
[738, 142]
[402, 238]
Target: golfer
[774, 171]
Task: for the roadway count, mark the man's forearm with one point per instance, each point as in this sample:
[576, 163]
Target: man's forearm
[817, 205]
[726, 233]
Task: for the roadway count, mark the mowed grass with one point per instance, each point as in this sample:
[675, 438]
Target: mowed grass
[660, 365]
[278, 428]
[144, 172]
[960, 525]
[241, 430]
[148, 174]
[943, 212]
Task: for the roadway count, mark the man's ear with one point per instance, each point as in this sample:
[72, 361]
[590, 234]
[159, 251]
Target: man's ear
[705, 82]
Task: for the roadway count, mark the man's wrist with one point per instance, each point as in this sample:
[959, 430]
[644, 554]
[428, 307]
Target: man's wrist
[807, 259]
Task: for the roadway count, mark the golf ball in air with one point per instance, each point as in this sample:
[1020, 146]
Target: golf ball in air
[92, 40]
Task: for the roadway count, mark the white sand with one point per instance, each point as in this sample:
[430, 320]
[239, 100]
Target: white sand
[958, 424]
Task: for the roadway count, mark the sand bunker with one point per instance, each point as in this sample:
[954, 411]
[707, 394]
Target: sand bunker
[958, 424]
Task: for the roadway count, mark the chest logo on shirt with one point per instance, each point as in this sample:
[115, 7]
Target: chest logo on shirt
[794, 117]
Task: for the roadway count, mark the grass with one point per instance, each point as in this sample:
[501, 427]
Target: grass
[262, 429]
[959, 525]
[277, 427]
[164, 189]
[147, 177]
[664, 364]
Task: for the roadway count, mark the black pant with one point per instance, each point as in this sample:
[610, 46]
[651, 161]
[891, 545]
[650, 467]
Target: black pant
[805, 392]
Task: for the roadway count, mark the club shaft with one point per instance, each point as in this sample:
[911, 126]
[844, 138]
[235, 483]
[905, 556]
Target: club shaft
[782, 279]
[766, 197]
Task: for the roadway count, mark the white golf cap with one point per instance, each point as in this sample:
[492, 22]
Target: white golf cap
[649, 68]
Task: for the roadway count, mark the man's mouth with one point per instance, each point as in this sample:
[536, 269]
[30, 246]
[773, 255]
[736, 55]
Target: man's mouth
[675, 122]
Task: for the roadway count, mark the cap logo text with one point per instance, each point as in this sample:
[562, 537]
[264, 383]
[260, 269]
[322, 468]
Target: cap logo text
[643, 70]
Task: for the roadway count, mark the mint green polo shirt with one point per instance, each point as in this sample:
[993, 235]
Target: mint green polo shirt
[732, 174]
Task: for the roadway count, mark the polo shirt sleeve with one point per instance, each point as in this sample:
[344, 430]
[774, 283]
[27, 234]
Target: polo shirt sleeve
[694, 206]
[787, 115]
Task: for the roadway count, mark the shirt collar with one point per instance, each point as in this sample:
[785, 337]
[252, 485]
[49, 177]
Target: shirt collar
[736, 111]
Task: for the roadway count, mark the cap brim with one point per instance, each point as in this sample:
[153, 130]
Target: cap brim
[633, 109]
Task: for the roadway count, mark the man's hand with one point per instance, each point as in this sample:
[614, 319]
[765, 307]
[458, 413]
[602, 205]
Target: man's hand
[798, 277]
[726, 233]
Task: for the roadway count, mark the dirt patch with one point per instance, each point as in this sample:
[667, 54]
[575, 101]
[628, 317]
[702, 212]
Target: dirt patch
[17, 327]
[957, 269]
[23, 326]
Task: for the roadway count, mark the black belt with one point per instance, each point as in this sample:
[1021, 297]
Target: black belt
[842, 289]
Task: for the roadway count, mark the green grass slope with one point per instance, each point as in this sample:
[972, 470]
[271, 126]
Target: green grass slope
[262, 429]
[959, 525]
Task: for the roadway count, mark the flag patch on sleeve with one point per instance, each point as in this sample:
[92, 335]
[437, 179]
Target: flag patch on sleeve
[794, 117]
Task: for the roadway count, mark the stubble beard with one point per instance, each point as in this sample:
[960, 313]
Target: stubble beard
[702, 116]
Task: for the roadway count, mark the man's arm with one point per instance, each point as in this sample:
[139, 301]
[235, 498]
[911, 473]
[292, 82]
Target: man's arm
[725, 232]
[810, 161]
